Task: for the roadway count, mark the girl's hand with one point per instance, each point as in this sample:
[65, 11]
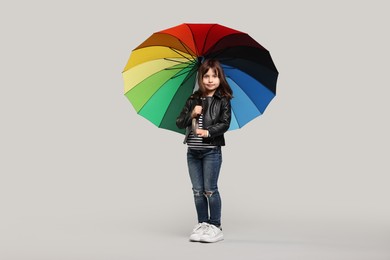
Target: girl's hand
[197, 111]
[202, 133]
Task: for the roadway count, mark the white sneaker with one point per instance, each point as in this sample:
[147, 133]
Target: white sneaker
[211, 234]
[198, 231]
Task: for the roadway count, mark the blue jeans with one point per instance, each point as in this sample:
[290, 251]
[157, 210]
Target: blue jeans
[204, 167]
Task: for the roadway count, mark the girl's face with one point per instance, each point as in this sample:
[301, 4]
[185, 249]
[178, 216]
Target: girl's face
[210, 82]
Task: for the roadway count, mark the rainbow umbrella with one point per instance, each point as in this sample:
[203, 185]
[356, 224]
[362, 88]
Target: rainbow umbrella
[161, 72]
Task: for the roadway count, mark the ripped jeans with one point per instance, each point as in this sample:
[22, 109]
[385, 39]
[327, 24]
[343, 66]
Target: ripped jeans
[204, 167]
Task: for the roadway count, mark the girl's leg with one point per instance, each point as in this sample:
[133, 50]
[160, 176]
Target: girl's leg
[212, 162]
[195, 169]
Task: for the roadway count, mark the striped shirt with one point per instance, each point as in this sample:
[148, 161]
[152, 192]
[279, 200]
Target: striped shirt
[195, 142]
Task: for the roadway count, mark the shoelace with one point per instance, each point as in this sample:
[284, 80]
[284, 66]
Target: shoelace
[202, 226]
[209, 229]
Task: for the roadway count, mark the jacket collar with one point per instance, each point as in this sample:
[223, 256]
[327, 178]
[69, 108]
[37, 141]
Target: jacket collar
[218, 94]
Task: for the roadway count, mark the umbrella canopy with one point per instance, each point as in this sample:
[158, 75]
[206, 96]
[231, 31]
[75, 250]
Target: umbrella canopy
[161, 72]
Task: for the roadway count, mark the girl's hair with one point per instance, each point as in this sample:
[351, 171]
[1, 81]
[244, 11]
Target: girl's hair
[224, 87]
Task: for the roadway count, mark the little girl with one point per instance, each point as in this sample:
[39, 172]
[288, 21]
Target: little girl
[206, 117]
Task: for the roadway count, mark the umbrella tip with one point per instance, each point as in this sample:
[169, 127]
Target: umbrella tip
[201, 59]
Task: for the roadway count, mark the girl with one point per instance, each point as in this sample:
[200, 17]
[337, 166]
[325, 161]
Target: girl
[206, 117]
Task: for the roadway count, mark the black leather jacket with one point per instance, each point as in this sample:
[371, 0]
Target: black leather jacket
[216, 121]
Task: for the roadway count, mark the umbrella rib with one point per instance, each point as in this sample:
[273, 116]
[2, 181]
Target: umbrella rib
[183, 72]
[189, 61]
[186, 63]
[177, 61]
[188, 76]
[207, 35]
[179, 74]
[185, 47]
[193, 39]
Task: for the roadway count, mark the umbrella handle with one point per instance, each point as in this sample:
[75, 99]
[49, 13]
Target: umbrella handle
[195, 125]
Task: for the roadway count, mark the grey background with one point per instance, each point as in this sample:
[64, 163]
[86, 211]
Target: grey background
[84, 177]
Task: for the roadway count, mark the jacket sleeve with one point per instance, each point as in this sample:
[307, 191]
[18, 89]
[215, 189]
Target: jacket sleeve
[223, 123]
[184, 119]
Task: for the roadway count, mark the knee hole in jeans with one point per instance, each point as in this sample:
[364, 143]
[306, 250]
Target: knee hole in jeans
[197, 193]
[208, 194]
